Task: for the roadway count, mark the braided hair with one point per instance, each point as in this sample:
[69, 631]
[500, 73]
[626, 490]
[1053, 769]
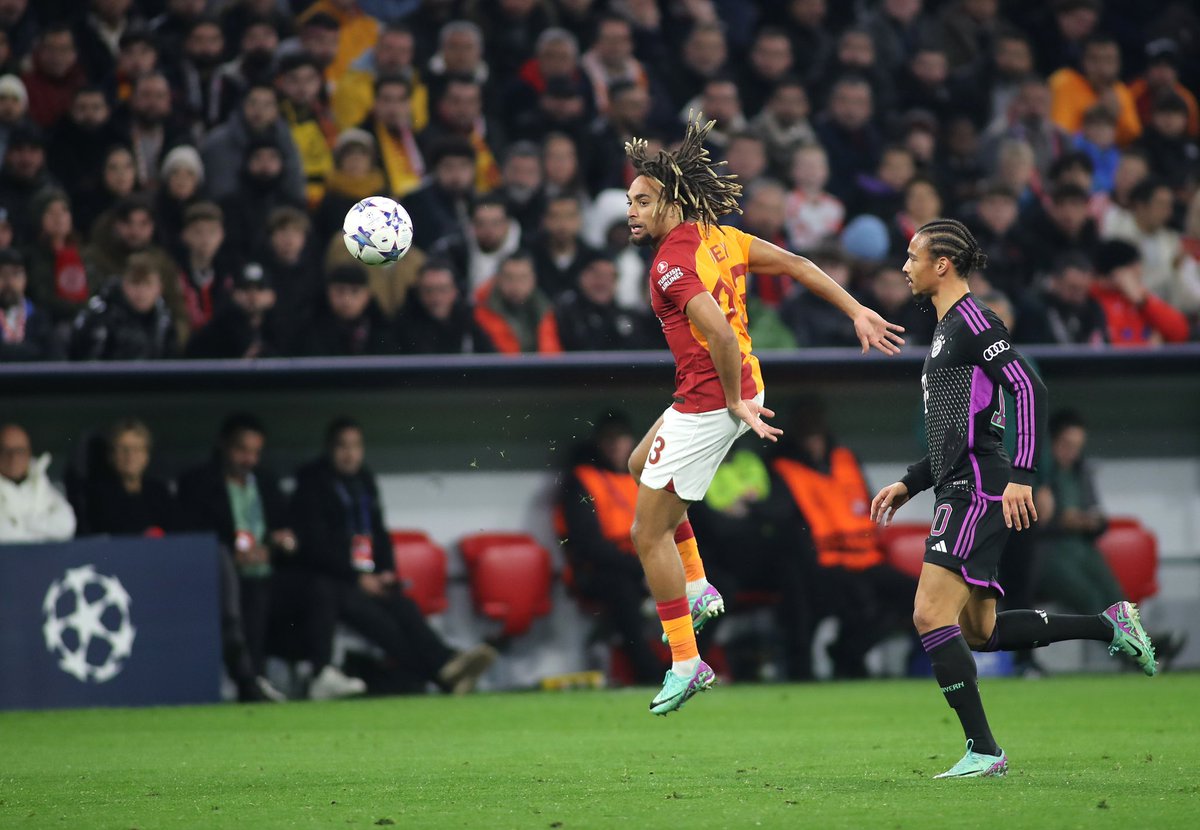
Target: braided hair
[687, 176]
[952, 239]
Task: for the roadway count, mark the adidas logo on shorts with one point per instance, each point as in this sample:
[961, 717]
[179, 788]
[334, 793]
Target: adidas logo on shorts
[940, 547]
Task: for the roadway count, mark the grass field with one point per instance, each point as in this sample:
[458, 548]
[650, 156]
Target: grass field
[1087, 752]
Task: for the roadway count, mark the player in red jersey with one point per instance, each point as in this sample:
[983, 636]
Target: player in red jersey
[698, 291]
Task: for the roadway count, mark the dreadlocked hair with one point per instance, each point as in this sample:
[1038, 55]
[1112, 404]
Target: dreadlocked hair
[687, 176]
[952, 239]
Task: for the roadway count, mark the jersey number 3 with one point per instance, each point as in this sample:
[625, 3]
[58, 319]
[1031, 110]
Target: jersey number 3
[656, 449]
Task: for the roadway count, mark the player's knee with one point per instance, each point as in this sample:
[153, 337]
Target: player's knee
[926, 617]
[976, 633]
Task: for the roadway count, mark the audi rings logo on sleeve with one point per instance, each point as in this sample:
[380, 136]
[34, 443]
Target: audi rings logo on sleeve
[999, 347]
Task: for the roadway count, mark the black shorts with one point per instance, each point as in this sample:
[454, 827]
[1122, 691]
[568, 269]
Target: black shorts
[968, 535]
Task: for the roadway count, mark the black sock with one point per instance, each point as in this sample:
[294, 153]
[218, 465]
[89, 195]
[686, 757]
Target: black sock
[1016, 630]
[954, 668]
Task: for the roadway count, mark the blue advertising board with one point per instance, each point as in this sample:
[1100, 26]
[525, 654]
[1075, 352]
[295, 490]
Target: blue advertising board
[110, 621]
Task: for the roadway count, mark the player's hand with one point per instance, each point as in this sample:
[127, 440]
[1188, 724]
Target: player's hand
[372, 584]
[873, 330]
[752, 413]
[1019, 511]
[887, 501]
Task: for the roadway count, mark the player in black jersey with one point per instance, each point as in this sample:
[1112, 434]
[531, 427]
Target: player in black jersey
[980, 493]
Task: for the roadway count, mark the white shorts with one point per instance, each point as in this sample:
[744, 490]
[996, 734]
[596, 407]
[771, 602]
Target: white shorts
[688, 448]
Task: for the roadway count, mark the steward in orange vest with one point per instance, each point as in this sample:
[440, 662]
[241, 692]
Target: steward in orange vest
[593, 519]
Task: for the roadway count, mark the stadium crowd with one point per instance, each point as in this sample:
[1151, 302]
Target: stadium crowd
[175, 172]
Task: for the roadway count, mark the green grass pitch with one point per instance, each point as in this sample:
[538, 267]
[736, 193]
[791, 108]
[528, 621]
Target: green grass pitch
[1086, 752]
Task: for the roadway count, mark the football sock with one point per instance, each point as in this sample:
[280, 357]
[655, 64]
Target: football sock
[1016, 630]
[677, 623]
[954, 669]
[693, 565]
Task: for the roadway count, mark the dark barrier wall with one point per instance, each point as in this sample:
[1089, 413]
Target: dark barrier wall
[505, 413]
[109, 622]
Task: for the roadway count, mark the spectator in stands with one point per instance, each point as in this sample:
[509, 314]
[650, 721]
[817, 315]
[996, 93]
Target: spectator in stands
[121, 498]
[182, 182]
[14, 107]
[54, 74]
[1064, 225]
[303, 106]
[1166, 271]
[441, 206]
[26, 330]
[128, 320]
[855, 56]
[562, 174]
[783, 125]
[628, 116]
[851, 141]
[703, 56]
[558, 251]
[1097, 140]
[764, 206]
[171, 26]
[922, 204]
[770, 62]
[31, 509]
[24, 173]
[898, 27]
[138, 54]
[477, 251]
[435, 318]
[79, 142]
[595, 512]
[556, 58]
[255, 59]
[118, 181]
[803, 311]
[812, 215]
[516, 317]
[889, 293]
[1065, 311]
[924, 83]
[826, 483]
[59, 282]
[746, 157]
[881, 192]
[985, 88]
[349, 322]
[393, 55]
[1173, 152]
[234, 496]
[1134, 315]
[1002, 238]
[1161, 80]
[150, 128]
[205, 274]
[589, 319]
[296, 275]
[1062, 31]
[459, 55]
[345, 550]
[1074, 92]
[263, 188]
[720, 101]
[355, 176]
[243, 327]
[395, 142]
[208, 94]
[458, 111]
[1027, 119]
[1132, 169]
[240, 17]
[611, 61]
[521, 186]
[226, 147]
[510, 32]
[967, 29]
[338, 33]
[562, 108]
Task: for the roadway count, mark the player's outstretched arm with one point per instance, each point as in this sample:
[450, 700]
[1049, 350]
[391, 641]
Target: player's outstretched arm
[871, 328]
[887, 501]
[704, 313]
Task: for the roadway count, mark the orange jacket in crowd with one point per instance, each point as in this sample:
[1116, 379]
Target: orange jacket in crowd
[500, 331]
[837, 508]
[1072, 96]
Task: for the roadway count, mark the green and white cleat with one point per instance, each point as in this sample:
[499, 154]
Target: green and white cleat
[1129, 636]
[677, 690]
[708, 605]
[976, 765]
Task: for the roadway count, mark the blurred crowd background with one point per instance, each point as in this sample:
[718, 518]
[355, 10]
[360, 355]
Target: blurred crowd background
[175, 172]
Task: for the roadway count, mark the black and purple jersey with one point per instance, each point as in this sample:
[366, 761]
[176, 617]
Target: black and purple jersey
[970, 360]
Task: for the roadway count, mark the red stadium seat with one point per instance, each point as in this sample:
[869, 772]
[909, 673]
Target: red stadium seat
[904, 546]
[1131, 551]
[422, 566]
[510, 578]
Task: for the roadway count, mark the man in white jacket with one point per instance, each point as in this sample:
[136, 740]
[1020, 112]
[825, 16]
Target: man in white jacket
[31, 510]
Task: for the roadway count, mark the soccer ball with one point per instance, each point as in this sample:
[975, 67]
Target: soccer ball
[377, 230]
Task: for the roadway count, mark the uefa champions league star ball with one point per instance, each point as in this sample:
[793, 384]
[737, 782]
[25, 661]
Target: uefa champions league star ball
[377, 231]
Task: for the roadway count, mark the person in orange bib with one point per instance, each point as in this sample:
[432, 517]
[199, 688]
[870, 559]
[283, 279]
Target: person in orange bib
[698, 292]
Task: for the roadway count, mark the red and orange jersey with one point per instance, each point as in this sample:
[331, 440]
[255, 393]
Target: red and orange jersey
[694, 258]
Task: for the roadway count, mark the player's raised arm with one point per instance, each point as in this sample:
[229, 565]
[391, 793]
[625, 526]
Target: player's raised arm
[872, 329]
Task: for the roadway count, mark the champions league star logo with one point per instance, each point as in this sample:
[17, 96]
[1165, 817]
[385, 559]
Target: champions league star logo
[87, 625]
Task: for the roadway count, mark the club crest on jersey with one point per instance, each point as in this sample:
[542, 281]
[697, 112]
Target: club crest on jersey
[938, 342]
[662, 266]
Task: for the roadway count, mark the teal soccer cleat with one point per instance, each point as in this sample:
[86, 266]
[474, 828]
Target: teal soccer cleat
[975, 765]
[677, 690]
[1129, 636]
[708, 605]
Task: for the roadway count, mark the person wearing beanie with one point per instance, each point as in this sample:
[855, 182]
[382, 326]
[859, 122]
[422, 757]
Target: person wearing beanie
[181, 178]
[354, 176]
[1134, 316]
[14, 107]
